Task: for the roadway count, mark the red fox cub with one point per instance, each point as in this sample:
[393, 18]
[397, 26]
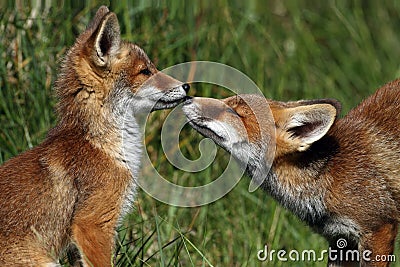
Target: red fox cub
[341, 176]
[76, 186]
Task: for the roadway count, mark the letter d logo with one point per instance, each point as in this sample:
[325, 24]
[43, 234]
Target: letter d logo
[262, 254]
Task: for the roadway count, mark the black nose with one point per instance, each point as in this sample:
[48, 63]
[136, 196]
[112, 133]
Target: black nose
[186, 87]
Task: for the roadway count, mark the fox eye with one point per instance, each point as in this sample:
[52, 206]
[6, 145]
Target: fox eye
[145, 71]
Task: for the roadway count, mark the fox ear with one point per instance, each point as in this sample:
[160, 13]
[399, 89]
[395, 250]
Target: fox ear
[305, 124]
[107, 39]
[101, 12]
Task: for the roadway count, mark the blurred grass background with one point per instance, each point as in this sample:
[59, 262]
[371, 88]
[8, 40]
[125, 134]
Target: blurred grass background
[291, 49]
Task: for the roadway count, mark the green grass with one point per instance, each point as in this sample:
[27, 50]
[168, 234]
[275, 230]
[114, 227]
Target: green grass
[291, 49]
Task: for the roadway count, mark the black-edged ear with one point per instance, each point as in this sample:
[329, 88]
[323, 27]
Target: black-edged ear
[305, 124]
[107, 39]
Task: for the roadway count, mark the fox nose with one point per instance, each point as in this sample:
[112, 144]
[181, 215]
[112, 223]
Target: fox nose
[186, 87]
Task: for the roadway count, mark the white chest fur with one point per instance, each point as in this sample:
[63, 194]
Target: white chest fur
[131, 153]
[129, 150]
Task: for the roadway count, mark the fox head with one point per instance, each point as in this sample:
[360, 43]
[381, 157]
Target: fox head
[258, 131]
[102, 76]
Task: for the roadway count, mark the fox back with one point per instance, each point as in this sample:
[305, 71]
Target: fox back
[76, 186]
[341, 176]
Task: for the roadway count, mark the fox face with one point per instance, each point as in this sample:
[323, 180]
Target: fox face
[254, 120]
[258, 131]
[229, 122]
[242, 125]
[102, 75]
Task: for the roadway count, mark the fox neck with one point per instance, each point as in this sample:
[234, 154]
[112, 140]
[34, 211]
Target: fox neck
[299, 181]
[130, 148]
[130, 154]
[297, 188]
[113, 129]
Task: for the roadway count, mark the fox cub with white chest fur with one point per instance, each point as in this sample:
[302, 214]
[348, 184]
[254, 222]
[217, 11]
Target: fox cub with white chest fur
[341, 176]
[76, 186]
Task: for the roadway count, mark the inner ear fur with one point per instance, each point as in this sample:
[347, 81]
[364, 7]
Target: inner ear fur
[305, 123]
[106, 40]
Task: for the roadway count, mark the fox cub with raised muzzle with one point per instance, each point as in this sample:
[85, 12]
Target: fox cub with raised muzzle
[341, 176]
[75, 187]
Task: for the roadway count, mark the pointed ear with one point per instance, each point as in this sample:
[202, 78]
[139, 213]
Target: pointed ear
[303, 125]
[101, 12]
[107, 39]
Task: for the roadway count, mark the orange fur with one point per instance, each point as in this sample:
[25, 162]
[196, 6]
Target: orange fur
[341, 176]
[74, 188]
